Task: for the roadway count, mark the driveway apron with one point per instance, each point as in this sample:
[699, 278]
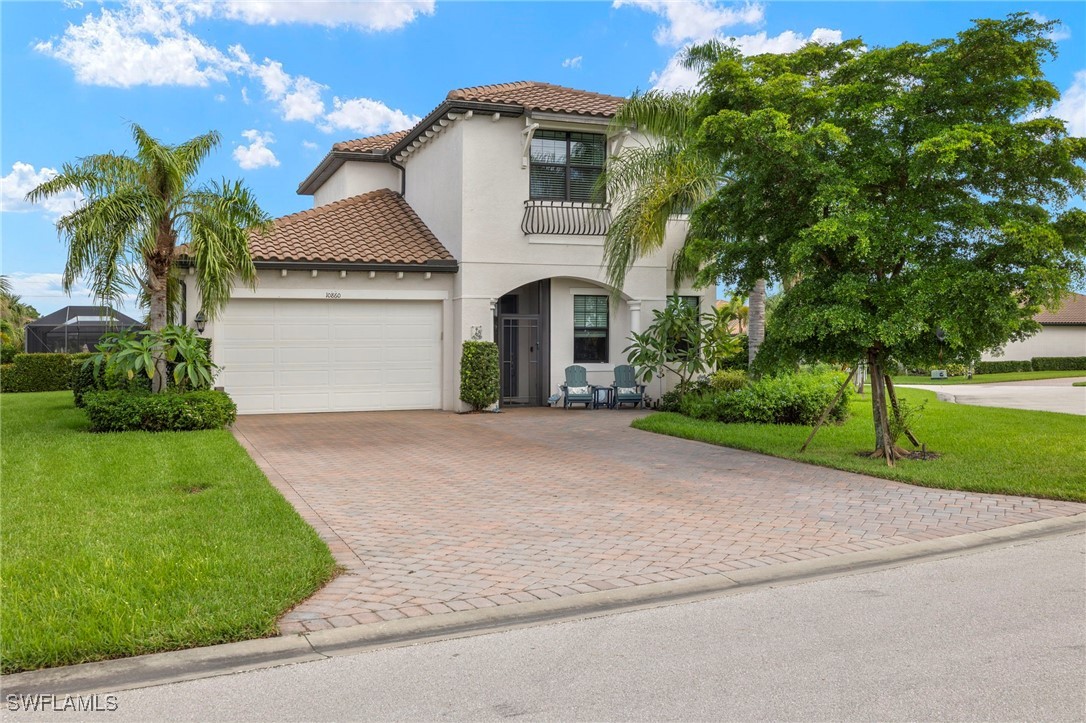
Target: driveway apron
[433, 512]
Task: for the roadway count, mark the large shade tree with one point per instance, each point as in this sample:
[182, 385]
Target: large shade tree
[138, 209]
[650, 184]
[918, 196]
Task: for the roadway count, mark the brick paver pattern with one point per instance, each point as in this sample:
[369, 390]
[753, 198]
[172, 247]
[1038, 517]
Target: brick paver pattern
[432, 512]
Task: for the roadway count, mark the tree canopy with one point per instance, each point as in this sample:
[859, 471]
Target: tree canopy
[138, 209]
[907, 191]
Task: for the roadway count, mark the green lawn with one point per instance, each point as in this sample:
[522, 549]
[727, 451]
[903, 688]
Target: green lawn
[989, 378]
[984, 449]
[121, 544]
[1079, 384]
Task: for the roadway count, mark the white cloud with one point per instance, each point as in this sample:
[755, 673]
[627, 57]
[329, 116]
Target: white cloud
[44, 290]
[140, 43]
[572, 62]
[256, 154]
[1072, 106]
[675, 77]
[310, 145]
[360, 14]
[22, 179]
[366, 116]
[696, 21]
[298, 97]
[148, 42]
[1060, 32]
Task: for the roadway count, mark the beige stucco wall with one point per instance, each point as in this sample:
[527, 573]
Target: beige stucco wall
[357, 177]
[1049, 341]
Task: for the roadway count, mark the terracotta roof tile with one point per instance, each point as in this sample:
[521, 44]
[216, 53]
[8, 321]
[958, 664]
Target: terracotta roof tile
[371, 144]
[542, 96]
[1073, 311]
[377, 227]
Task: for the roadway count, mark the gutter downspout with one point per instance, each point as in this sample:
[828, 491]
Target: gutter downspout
[403, 176]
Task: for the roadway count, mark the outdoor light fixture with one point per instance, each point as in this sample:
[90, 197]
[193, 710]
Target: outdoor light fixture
[201, 321]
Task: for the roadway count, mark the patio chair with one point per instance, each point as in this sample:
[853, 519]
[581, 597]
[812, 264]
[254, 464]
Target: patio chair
[627, 390]
[576, 389]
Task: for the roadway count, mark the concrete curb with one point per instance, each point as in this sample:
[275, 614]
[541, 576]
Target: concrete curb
[172, 667]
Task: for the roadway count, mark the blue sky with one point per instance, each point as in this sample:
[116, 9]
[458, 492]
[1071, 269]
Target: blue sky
[282, 81]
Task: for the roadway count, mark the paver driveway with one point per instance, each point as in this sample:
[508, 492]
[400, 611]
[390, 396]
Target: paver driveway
[433, 512]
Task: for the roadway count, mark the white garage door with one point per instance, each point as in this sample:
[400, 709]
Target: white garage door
[289, 355]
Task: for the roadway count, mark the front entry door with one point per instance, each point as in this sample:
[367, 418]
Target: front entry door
[521, 357]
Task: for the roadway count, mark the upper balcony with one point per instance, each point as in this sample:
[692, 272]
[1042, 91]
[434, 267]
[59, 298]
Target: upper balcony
[568, 218]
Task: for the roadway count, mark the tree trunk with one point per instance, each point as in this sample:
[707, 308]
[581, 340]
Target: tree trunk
[157, 322]
[884, 443]
[756, 320]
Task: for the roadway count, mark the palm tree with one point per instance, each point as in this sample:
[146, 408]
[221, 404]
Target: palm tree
[650, 184]
[136, 211]
[14, 314]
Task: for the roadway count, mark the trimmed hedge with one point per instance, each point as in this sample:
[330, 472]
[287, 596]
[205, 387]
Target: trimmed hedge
[479, 374]
[36, 373]
[84, 379]
[7, 353]
[1002, 367]
[1058, 363]
[125, 411]
[788, 399]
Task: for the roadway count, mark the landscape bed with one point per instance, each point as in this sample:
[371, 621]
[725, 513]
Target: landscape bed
[982, 449]
[136, 542]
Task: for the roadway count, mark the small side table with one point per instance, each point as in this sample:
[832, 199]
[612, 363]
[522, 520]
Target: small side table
[602, 397]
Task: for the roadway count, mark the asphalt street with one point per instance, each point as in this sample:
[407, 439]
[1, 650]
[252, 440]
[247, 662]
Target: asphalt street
[993, 635]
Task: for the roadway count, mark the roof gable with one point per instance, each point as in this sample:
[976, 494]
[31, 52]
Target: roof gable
[378, 227]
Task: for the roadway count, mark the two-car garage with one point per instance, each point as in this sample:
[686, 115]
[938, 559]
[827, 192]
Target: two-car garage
[329, 355]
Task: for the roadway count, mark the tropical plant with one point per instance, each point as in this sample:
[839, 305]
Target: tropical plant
[479, 374]
[680, 340]
[134, 353]
[649, 184]
[918, 195]
[136, 211]
[14, 315]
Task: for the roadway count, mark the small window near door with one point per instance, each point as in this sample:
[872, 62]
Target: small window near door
[590, 314]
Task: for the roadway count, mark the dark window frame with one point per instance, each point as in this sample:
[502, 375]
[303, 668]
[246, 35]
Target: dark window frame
[568, 166]
[585, 329]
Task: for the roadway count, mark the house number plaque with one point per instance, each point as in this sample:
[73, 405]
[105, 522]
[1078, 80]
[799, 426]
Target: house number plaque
[333, 294]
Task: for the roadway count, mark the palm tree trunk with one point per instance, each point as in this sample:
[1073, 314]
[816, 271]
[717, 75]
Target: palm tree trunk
[756, 320]
[157, 322]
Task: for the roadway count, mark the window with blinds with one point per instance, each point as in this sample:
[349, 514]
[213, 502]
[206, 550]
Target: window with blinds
[565, 165]
[590, 318]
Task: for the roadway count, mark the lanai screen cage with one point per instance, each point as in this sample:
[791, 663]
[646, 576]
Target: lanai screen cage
[75, 329]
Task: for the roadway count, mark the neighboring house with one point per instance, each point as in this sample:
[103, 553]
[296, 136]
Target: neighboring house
[478, 223]
[74, 329]
[1063, 333]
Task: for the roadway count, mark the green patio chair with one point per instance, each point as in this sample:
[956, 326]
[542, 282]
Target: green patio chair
[576, 389]
[626, 388]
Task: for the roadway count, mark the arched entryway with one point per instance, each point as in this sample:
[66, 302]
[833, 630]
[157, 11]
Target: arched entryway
[522, 330]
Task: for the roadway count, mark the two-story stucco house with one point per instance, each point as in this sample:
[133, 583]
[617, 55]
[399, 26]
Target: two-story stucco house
[478, 223]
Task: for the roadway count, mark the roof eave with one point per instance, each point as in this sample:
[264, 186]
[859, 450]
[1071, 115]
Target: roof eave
[438, 266]
[331, 163]
[453, 106]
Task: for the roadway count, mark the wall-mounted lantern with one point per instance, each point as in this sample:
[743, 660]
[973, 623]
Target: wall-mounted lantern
[201, 321]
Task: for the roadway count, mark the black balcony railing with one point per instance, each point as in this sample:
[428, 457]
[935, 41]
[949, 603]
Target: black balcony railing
[574, 218]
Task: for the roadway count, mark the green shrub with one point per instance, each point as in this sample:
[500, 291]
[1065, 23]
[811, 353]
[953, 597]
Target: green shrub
[7, 353]
[37, 373]
[787, 399]
[125, 411]
[738, 359]
[671, 401]
[479, 374]
[10, 379]
[727, 380]
[1058, 363]
[1002, 367]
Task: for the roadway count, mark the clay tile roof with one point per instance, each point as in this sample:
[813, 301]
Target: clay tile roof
[371, 144]
[542, 96]
[377, 227]
[1073, 311]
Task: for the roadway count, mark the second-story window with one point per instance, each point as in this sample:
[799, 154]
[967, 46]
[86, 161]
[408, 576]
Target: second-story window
[566, 165]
